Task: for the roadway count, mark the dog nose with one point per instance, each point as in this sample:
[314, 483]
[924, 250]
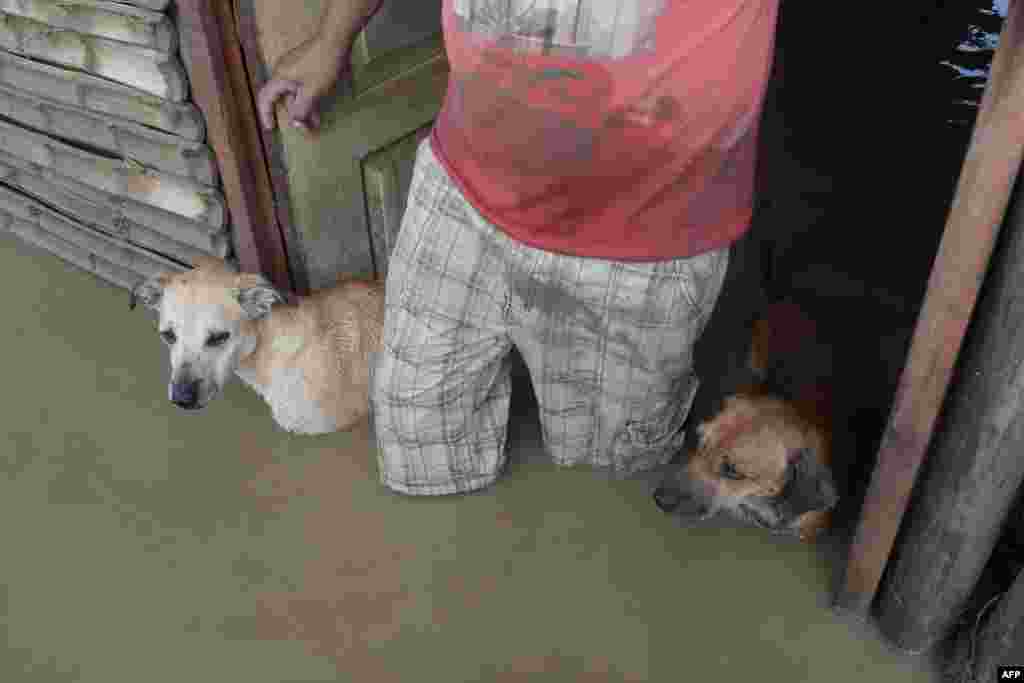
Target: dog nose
[701, 510]
[667, 499]
[185, 394]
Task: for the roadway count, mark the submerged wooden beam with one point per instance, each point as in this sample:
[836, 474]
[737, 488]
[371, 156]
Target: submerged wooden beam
[974, 469]
[1002, 626]
[112, 259]
[986, 180]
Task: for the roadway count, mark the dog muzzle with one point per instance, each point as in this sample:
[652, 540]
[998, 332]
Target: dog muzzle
[185, 394]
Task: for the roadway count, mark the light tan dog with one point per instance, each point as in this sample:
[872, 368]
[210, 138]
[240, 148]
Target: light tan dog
[309, 360]
[764, 458]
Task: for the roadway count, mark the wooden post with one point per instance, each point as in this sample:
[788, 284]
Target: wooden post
[1001, 625]
[974, 470]
[220, 88]
[986, 180]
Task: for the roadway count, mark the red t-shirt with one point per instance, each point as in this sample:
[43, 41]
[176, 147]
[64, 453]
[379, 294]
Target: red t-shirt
[619, 129]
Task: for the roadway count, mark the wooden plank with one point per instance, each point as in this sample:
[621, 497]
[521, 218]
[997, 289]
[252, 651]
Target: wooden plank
[145, 69]
[396, 25]
[220, 87]
[273, 150]
[26, 206]
[105, 211]
[79, 89]
[114, 261]
[130, 140]
[420, 90]
[112, 20]
[986, 180]
[120, 177]
[400, 36]
[155, 5]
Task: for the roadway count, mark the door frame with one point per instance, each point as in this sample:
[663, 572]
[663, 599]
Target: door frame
[218, 42]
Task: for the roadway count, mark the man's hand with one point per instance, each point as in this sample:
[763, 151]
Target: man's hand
[302, 78]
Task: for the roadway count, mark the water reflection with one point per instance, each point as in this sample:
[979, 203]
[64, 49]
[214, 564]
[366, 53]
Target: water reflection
[970, 60]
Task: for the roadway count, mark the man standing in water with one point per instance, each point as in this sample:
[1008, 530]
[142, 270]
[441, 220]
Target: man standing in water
[591, 166]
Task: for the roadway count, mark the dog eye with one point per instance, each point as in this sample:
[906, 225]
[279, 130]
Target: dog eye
[217, 339]
[729, 471]
[168, 336]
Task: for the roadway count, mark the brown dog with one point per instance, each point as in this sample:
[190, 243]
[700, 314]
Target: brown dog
[765, 457]
[309, 360]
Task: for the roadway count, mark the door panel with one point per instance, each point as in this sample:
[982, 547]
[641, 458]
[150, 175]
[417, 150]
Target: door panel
[387, 175]
[397, 25]
[347, 184]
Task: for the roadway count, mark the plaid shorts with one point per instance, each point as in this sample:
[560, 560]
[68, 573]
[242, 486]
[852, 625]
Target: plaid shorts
[609, 347]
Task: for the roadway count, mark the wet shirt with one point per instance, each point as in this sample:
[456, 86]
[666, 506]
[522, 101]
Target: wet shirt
[619, 129]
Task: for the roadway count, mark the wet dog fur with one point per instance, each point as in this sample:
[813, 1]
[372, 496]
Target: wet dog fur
[765, 458]
[310, 360]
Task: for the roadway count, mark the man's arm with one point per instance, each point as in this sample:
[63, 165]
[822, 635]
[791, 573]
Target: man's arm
[308, 72]
[344, 19]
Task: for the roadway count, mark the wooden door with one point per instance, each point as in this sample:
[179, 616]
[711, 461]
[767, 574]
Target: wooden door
[341, 193]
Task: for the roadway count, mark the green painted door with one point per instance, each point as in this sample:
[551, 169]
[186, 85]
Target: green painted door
[347, 186]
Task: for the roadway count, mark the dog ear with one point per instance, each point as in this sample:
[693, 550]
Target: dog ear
[149, 291]
[809, 485]
[256, 299]
[736, 413]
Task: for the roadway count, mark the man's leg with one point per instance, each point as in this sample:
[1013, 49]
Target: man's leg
[610, 351]
[440, 388]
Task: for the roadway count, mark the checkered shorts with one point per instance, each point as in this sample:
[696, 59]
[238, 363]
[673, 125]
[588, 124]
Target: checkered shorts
[609, 346]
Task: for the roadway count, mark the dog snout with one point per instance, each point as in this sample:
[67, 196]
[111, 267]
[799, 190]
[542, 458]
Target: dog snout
[693, 507]
[681, 494]
[667, 499]
[700, 510]
[185, 394]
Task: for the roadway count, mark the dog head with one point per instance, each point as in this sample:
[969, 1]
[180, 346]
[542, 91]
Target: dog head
[757, 460]
[207, 320]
